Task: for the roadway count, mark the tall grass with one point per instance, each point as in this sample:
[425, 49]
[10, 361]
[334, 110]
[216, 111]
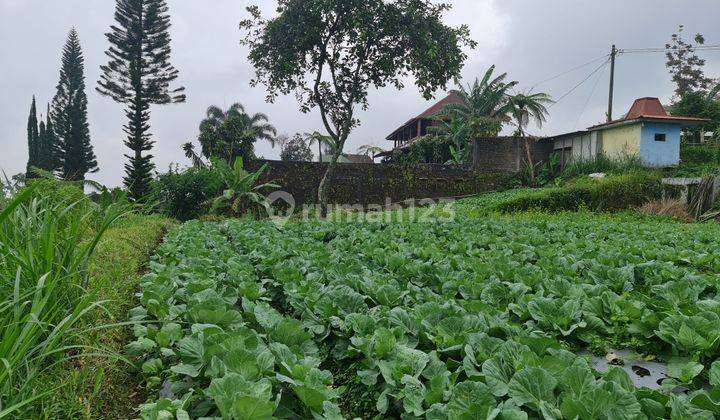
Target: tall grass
[602, 163]
[44, 249]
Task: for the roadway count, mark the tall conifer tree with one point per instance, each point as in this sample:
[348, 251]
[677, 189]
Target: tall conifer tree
[46, 144]
[53, 142]
[33, 138]
[67, 123]
[139, 74]
[42, 161]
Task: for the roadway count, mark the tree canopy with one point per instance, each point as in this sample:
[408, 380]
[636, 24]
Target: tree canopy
[701, 105]
[485, 105]
[330, 53]
[230, 134]
[296, 149]
[684, 65]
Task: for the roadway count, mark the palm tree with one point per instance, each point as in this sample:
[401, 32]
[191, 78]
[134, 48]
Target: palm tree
[369, 149]
[485, 105]
[232, 133]
[190, 153]
[323, 142]
[528, 107]
[453, 131]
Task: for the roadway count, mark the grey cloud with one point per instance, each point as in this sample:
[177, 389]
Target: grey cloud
[531, 40]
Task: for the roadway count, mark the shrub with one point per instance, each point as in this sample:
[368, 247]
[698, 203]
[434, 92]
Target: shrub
[615, 192]
[56, 192]
[185, 195]
[429, 149]
[699, 154]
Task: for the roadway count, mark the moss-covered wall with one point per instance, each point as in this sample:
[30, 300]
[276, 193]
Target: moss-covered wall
[368, 184]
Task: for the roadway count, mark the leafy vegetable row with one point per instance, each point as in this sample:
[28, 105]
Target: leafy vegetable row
[214, 347]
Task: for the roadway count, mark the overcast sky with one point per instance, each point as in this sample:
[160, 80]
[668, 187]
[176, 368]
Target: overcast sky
[530, 40]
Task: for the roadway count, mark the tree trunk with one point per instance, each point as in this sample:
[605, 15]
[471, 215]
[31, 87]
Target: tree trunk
[530, 161]
[325, 184]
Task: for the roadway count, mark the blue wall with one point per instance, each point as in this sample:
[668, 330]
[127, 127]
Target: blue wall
[657, 153]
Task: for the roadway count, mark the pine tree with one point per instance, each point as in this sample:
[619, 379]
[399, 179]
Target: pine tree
[139, 74]
[73, 153]
[33, 138]
[53, 142]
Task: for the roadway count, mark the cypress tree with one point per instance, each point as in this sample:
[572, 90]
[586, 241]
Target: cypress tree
[46, 144]
[139, 74]
[69, 132]
[33, 138]
[42, 161]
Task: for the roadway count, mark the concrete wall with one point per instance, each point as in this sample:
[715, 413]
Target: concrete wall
[507, 154]
[621, 141]
[660, 153]
[579, 146]
[367, 183]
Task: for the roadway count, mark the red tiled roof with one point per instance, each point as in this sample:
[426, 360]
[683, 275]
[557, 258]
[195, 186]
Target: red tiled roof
[646, 107]
[650, 109]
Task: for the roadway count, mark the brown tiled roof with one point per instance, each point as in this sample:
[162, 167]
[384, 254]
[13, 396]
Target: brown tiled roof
[451, 98]
[359, 158]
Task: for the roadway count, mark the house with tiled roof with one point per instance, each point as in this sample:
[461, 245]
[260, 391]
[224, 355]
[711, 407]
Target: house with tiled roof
[349, 158]
[417, 126]
[647, 132]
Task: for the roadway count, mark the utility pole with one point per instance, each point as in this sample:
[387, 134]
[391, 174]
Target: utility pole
[613, 53]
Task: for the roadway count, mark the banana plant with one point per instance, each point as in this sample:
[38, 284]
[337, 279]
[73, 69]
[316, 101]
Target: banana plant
[242, 193]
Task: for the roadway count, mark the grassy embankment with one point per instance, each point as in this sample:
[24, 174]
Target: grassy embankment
[105, 386]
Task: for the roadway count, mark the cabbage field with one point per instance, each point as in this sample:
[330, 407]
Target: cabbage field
[480, 318]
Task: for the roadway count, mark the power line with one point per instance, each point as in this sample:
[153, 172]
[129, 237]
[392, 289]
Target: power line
[581, 82]
[567, 71]
[592, 92]
[666, 49]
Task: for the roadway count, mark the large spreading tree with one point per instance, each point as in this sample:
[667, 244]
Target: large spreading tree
[74, 154]
[139, 74]
[330, 53]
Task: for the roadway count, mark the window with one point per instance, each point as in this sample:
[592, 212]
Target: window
[659, 136]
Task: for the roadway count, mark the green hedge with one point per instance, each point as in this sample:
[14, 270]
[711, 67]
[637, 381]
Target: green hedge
[615, 192]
